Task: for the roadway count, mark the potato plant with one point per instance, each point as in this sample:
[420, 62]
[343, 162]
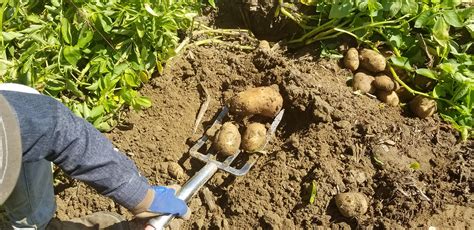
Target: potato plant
[91, 55]
[428, 38]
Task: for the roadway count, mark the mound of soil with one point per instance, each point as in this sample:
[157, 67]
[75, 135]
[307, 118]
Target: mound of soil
[341, 141]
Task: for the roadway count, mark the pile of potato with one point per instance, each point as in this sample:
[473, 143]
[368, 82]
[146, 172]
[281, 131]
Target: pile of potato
[259, 101]
[371, 76]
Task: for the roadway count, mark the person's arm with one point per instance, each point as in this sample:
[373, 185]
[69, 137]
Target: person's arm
[49, 130]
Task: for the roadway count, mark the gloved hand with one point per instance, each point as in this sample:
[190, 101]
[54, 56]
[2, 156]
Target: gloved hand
[160, 200]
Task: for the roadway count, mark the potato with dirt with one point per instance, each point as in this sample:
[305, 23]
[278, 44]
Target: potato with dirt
[228, 139]
[265, 101]
[384, 83]
[372, 60]
[422, 107]
[363, 83]
[389, 98]
[351, 204]
[254, 137]
[351, 60]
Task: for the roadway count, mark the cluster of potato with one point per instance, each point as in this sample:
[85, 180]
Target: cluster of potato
[371, 76]
[259, 101]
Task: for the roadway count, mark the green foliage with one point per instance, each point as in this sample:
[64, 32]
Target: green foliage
[431, 38]
[92, 55]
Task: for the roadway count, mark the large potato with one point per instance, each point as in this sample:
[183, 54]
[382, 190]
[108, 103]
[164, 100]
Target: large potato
[351, 204]
[372, 60]
[254, 137]
[265, 101]
[384, 82]
[228, 139]
[363, 83]
[422, 107]
[351, 60]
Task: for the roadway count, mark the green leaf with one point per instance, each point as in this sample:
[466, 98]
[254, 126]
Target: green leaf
[143, 102]
[341, 9]
[450, 3]
[96, 112]
[84, 39]
[401, 62]
[392, 6]
[72, 54]
[423, 19]
[460, 92]
[427, 73]
[409, 7]
[8, 36]
[415, 165]
[66, 31]
[213, 4]
[452, 18]
[441, 31]
[314, 192]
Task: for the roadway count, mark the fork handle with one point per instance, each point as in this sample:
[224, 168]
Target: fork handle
[185, 193]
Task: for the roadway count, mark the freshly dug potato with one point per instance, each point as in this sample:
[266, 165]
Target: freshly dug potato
[351, 204]
[363, 83]
[372, 60]
[351, 60]
[403, 94]
[423, 107]
[254, 137]
[390, 98]
[228, 139]
[384, 83]
[265, 101]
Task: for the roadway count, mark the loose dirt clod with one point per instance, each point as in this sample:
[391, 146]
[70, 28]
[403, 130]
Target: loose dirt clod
[351, 204]
[423, 107]
[351, 60]
[175, 170]
[363, 83]
[372, 61]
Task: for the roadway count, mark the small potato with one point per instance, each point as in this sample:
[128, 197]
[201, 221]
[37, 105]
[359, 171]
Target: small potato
[372, 60]
[390, 98]
[265, 101]
[254, 137]
[363, 83]
[422, 107]
[384, 83]
[351, 60]
[351, 204]
[228, 139]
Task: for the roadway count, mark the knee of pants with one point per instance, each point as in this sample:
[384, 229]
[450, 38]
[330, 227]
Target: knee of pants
[32, 202]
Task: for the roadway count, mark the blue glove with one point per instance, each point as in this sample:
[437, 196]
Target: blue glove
[166, 202]
[160, 200]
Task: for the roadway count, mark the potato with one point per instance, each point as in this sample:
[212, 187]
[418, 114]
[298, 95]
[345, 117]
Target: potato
[363, 83]
[422, 107]
[372, 60]
[351, 204]
[265, 101]
[403, 94]
[384, 83]
[390, 98]
[254, 137]
[228, 139]
[351, 60]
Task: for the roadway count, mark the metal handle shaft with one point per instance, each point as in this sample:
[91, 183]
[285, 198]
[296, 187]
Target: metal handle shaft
[186, 192]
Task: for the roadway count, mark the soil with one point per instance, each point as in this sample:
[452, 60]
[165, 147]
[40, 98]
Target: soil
[330, 137]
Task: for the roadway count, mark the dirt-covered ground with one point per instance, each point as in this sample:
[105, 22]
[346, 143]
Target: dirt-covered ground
[340, 140]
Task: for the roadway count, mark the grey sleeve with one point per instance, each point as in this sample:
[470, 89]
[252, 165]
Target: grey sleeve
[49, 130]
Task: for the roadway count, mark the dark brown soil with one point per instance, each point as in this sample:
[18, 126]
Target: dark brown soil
[340, 140]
